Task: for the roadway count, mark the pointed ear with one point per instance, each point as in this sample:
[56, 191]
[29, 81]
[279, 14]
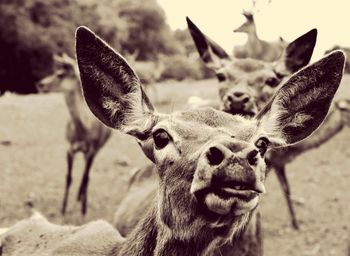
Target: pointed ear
[299, 52]
[302, 103]
[248, 15]
[210, 52]
[111, 88]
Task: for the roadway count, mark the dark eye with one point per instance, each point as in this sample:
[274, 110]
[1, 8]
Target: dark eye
[60, 74]
[221, 77]
[161, 138]
[272, 81]
[262, 144]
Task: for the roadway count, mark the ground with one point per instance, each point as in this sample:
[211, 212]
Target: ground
[33, 168]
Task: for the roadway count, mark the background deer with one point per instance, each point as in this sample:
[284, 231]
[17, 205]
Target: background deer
[255, 47]
[246, 85]
[210, 164]
[84, 132]
[265, 79]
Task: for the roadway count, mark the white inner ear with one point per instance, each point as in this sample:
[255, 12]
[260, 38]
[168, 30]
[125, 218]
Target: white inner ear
[271, 127]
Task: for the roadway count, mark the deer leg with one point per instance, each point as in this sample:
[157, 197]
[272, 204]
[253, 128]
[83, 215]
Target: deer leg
[82, 196]
[70, 159]
[281, 175]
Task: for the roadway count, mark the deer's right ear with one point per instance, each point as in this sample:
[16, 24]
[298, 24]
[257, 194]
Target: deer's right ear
[301, 104]
[209, 51]
[111, 88]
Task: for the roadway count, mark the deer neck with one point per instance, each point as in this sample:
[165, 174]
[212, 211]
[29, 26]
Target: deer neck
[253, 36]
[154, 237]
[253, 44]
[75, 103]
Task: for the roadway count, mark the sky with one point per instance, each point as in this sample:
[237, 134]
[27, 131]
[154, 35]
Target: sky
[287, 18]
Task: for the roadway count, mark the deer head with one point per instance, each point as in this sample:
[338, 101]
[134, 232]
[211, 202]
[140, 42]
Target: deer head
[64, 78]
[210, 164]
[245, 85]
[249, 25]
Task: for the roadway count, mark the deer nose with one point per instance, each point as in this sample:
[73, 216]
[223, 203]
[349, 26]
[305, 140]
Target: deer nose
[226, 166]
[239, 97]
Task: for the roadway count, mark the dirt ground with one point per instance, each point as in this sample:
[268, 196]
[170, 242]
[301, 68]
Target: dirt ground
[33, 168]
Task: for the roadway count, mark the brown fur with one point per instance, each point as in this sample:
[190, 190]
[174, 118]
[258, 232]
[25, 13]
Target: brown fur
[252, 79]
[247, 72]
[36, 236]
[247, 76]
[177, 211]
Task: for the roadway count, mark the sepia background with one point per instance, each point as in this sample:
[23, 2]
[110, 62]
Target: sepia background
[153, 34]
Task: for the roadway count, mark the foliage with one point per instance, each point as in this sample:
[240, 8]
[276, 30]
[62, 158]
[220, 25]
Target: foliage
[148, 30]
[180, 67]
[32, 30]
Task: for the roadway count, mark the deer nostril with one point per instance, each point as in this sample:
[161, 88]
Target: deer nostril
[230, 98]
[215, 156]
[245, 99]
[252, 157]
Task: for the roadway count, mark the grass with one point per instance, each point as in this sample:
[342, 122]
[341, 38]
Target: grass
[33, 169]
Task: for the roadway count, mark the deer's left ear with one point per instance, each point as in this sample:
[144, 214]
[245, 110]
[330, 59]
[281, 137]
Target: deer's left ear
[302, 103]
[210, 52]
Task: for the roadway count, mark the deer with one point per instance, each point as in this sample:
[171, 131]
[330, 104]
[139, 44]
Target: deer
[210, 164]
[84, 132]
[233, 75]
[245, 85]
[255, 47]
[266, 76]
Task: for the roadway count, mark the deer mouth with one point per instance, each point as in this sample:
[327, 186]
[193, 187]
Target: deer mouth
[230, 198]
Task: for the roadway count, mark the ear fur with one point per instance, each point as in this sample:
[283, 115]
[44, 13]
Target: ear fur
[111, 88]
[299, 52]
[302, 103]
[210, 52]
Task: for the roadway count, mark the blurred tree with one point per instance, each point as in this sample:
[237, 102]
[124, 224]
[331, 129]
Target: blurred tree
[148, 30]
[32, 30]
[184, 38]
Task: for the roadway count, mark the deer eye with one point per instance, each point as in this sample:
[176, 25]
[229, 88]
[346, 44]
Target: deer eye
[161, 138]
[60, 74]
[221, 77]
[262, 144]
[272, 81]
